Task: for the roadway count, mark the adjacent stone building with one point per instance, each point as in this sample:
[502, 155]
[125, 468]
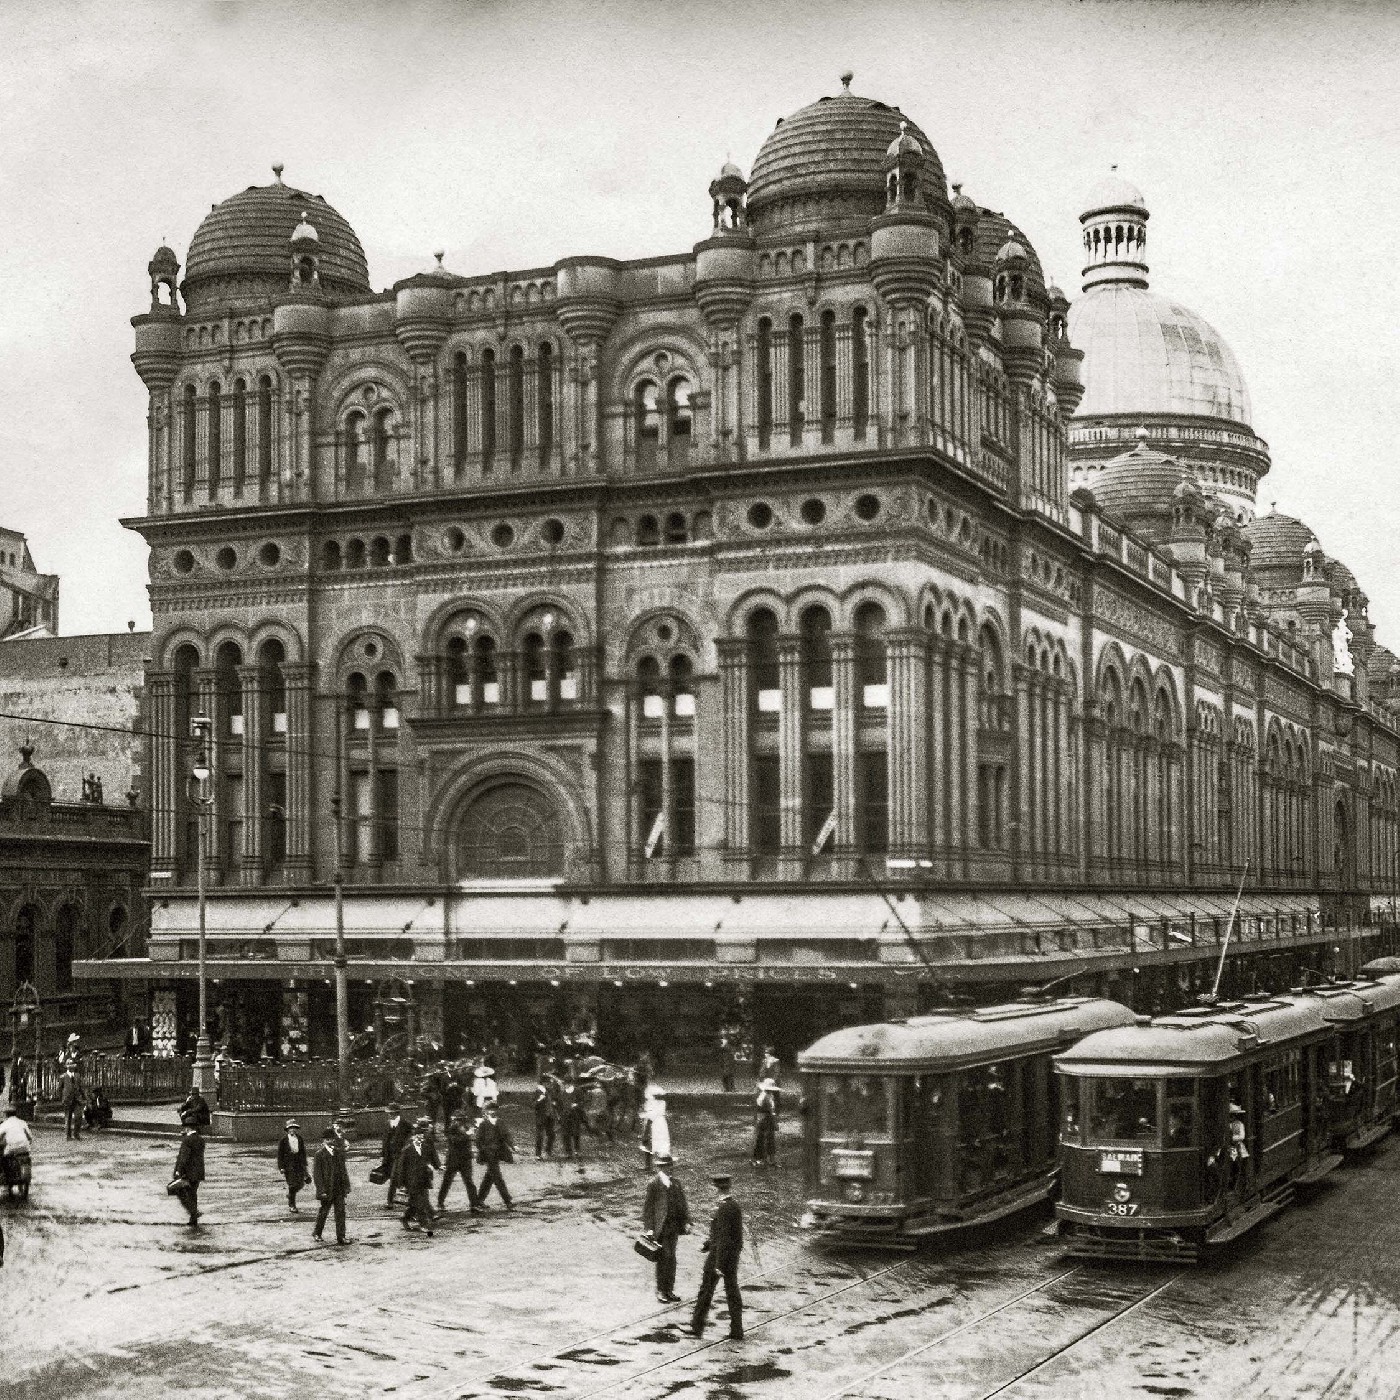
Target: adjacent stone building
[722, 626]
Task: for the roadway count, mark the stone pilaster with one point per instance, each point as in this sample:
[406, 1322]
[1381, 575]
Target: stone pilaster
[302, 817]
[790, 755]
[733, 668]
[908, 763]
[845, 709]
[250, 858]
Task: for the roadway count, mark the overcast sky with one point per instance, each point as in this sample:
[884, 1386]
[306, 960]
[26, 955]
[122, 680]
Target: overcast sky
[1264, 137]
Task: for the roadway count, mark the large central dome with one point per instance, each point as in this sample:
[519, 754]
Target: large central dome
[1144, 354]
[827, 161]
[241, 249]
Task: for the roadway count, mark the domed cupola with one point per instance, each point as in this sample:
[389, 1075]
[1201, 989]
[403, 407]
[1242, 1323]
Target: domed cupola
[306, 257]
[1149, 361]
[164, 271]
[904, 167]
[824, 166]
[906, 252]
[965, 216]
[1115, 233]
[728, 192]
[725, 261]
[239, 253]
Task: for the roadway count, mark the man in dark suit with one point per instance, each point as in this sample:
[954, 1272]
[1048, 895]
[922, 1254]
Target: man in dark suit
[291, 1160]
[415, 1175]
[331, 1179]
[666, 1217]
[70, 1095]
[493, 1146]
[189, 1167]
[722, 1250]
[197, 1105]
[396, 1135]
[459, 1160]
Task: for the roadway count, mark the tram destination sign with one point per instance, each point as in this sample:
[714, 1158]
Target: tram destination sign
[1121, 1163]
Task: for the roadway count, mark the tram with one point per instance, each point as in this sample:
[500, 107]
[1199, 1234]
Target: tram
[919, 1127]
[1189, 1130]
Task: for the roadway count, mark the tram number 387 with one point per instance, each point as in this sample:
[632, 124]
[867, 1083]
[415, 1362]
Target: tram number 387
[1122, 1207]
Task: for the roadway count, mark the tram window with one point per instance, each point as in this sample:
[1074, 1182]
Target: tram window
[1124, 1110]
[855, 1104]
[1181, 1113]
[1069, 1109]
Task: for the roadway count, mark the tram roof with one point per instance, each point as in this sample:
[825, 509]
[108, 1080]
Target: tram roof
[945, 1040]
[1351, 1001]
[1202, 1037]
[1380, 967]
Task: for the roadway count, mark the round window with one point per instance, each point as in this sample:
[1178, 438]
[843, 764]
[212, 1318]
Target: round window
[270, 555]
[454, 539]
[502, 535]
[814, 511]
[867, 507]
[227, 557]
[371, 649]
[553, 531]
[184, 561]
[760, 515]
[664, 632]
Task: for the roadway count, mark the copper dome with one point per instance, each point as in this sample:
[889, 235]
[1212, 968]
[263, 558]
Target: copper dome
[241, 250]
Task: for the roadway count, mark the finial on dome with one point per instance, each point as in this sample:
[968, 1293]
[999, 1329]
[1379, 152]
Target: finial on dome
[846, 79]
[277, 171]
[439, 254]
[1141, 436]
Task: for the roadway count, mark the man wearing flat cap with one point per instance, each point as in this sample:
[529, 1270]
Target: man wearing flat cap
[331, 1179]
[666, 1217]
[291, 1160]
[722, 1249]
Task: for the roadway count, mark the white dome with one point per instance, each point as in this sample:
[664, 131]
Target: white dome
[1114, 192]
[1146, 354]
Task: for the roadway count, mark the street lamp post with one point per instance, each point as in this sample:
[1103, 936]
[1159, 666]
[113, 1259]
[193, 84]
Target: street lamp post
[342, 990]
[204, 801]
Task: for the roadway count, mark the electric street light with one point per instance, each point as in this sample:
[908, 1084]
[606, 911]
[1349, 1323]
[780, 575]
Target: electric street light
[200, 772]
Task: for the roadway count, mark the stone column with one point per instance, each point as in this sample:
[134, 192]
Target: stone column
[967, 683]
[908, 764]
[733, 667]
[432, 696]
[301, 814]
[792, 862]
[251, 857]
[1023, 774]
[845, 709]
[937, 723]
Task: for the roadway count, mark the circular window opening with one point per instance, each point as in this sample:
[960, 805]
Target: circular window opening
[371, 650]
[502, 536]
[227, 557]
[455, 539]
[270, 555]
[814, 511]
[867, 507]
[184, 561]
[760, 515]
[553, 531]
[664, 632]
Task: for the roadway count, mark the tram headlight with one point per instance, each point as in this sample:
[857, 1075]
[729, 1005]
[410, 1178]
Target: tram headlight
[855, 1192]
[1121, 1194]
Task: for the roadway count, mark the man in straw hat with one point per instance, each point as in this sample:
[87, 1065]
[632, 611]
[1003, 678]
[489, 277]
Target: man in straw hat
[665, 1217]
[291, 1159]
[722, 1249]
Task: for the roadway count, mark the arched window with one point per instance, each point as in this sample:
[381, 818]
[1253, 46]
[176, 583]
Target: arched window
[488, 677]
[65, 932]
[678, 421]
[403, 549]
[272, 682]
[828, 386]
[188, 429]
[228, 688]
[816, 658]
[488, 410]
[240, 435]
[765, 382]
[214, 439]
[355, 554]
[650, 688]
[544, 402]
[797, 380]
[860, 372]
[265, 432]
[535, 670]
[648, 530]
[459, 676]
[517, 405]
[382, 480]
[682, 677]
[356, 467]
[646, 416]
[379, 551]
[993, 704]
[357, 701]
[676, 531]
[24, 945]
[871, 673]
[459, 410]
[762, 634]
[386, 699]
[565, 667]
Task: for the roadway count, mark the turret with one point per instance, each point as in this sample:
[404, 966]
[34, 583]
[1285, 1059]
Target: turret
[905, 246]
[1022, 330]
[728, 196]
[423, 312]
[1066, 363]
[157, 354]
[1115, 234]
[305, 254]
[724, 262]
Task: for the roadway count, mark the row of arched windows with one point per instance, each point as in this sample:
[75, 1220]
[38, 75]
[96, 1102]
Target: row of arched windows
[209, 464]
[782, 370]
[488, 398]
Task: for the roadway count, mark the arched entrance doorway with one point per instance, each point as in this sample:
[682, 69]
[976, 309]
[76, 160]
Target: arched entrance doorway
[510, 830]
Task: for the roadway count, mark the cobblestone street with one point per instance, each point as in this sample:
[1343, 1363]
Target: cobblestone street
[107, 1294]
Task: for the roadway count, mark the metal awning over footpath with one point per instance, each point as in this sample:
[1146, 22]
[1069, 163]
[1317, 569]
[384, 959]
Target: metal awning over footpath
[545, 934]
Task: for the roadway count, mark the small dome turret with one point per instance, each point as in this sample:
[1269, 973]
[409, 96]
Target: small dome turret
[904, 165]
[729, 198]
[1115, 233]
[305, 231]
[164, 272]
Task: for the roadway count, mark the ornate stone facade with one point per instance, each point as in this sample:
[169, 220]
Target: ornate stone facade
[753, 567]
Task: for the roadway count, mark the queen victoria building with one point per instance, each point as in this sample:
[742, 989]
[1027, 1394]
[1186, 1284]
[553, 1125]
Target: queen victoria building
[801, 626]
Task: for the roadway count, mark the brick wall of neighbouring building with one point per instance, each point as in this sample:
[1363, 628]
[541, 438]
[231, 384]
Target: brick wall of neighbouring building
[94, 680]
